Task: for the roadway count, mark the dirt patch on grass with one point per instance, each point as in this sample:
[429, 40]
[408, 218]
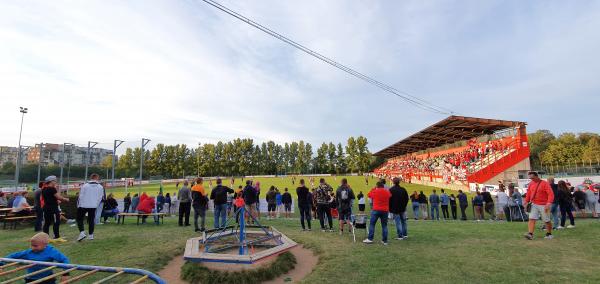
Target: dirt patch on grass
[172, 272]
[307, 261]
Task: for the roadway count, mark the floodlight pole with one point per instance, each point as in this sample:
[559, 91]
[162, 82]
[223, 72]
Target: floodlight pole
[87, 157]
[144, 143]
[198, 159]
[40, 164]
[114, 159]
[23, 111]
[62, 163]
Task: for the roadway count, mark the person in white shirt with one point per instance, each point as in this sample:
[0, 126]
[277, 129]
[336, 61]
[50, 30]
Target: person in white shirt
[90, 196]
[502, 202]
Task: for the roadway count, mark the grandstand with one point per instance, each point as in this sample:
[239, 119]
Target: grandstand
[460, 152]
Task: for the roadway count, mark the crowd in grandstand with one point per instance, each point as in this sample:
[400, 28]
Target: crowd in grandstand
[452, 165]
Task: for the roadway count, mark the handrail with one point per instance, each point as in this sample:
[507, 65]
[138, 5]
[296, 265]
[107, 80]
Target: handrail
[29, 263]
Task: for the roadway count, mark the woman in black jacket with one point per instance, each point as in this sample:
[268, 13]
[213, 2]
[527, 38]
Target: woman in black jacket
[565, 201]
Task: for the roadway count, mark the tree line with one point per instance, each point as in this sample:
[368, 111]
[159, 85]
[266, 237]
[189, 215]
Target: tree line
[563, 150]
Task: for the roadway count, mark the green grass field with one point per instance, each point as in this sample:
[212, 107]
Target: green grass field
[435, 252]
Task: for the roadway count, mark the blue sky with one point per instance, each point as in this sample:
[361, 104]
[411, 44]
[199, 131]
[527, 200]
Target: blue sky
[184, 72]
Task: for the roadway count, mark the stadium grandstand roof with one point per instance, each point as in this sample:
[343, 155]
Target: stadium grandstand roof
[450, 130]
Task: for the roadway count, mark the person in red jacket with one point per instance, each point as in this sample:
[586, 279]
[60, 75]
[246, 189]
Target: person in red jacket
[381, 207]
[540, 194]
[147, 206]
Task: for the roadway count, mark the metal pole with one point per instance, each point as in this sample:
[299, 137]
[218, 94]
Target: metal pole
[62, 163]
[114, 158]
[198, 159]
[87, 157]
[23, 111]
[242, 231]
[40, 163]
[144, 143]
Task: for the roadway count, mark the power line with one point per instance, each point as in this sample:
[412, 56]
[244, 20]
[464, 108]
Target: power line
[415, 101]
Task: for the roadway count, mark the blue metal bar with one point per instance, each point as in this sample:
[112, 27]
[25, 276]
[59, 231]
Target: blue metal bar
[242, 232]
[142, 272]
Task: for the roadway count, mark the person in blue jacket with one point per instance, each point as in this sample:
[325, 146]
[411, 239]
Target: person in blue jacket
[41, 251]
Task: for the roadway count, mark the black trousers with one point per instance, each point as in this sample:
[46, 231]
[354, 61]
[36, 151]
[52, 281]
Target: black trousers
[463, 214]
[52, 217]
[184, 212]
[91, 219]
[453, 209]
[126, 207]
[323, 210]
[304, 215]
[445, 212]
[39, 218]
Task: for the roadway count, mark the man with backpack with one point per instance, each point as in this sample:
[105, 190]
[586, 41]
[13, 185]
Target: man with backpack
[199, 203]
[323, 196]
[398, 202]
[345, 198]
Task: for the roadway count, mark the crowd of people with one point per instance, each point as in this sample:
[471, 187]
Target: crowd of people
[449, 165]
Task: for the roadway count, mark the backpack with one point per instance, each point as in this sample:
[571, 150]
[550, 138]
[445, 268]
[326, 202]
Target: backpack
[344, 194]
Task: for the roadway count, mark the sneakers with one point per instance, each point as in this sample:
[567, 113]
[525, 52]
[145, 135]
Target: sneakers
[341, 232]
[559, 228]
[529, 236]
[549, 237]
[570, 226]
[81, 236]
[323, 230]
[384, 243]
[58, 240]
[330, 230]
[399, 238]
[367, 241]
[91, 237]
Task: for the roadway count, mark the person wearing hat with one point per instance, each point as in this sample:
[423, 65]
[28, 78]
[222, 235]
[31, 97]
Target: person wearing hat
[51, 199]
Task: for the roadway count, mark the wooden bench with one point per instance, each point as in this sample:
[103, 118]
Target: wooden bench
[14, 220]
[121, 217]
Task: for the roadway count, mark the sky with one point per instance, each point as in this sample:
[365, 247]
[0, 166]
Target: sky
[185, 72]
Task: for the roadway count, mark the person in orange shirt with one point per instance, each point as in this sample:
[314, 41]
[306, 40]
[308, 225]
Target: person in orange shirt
[541, 196]
[200, 204]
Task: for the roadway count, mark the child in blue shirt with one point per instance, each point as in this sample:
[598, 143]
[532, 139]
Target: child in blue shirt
[41, 251]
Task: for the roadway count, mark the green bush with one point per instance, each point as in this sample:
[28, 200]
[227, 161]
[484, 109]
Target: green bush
[195, 273]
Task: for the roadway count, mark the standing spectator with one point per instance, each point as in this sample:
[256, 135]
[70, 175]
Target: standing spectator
[423, 205]
[517, 200]
[278, 201]
[591, 201]
[286, 198]
[127, 203]
[445, 201]
[344, 196]
[185, 204]
[398, 202]
[314, 203]
[37, 206]
[200, 203]
[489, 204]
[90, 195]
[160, 201]
[230, 197]
[51, 198]
[361, 201]
[453, 205]
[554, 211]
[434, 200]
[219, 197]
[381, 204]
[323, 196]
[540, 194]
[250, 199]
[304, 204]
[271, 198]
[257, 191]
[478, 206]
[502, 198]
[135, 201]
[414, 198]
[168, 201]
[100, 208]
[463, 203]
[565, 201]
[580, 201]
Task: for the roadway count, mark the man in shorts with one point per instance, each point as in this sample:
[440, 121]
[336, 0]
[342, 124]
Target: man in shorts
[286, 198]
[541, 196]
[345, 197]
